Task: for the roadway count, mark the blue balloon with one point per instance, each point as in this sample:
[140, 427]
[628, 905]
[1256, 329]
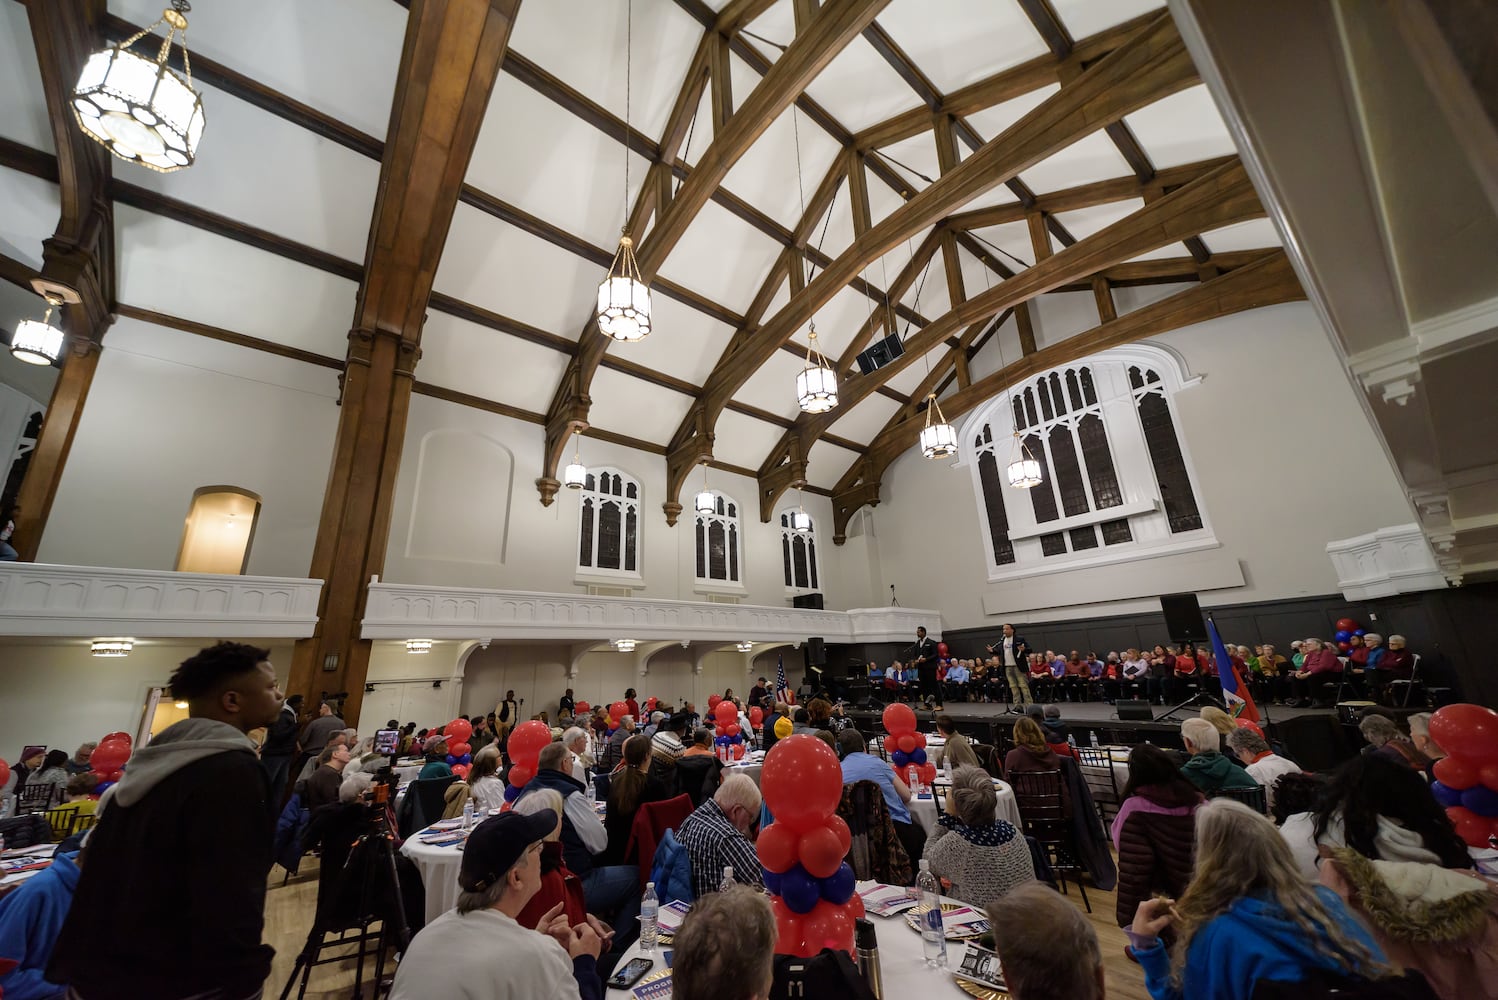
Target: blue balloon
[102, 787]
[900, 758]
[918, 755]
[467, 758]
[1445, 794]
[799, 890]
[1343, 635]
[772, 881]
[837, 888]
[1482, 801]
[451, 760]
[1360, 632]
[511, 793]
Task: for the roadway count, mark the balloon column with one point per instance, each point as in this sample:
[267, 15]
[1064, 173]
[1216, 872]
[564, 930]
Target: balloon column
[459, 752]
[1467, 780]
[802, 852]
[908, 753]
[108, 759]
[526, 743]
[729, 741]
[1346, 629]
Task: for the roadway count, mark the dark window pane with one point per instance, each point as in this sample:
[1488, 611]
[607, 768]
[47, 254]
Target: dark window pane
[1117, 532]
[1136, 381]
[1019, 413]
[1083, 538]
[1068, 471]
[701, 550]
[609, 531]
[1045, 401]
[590, 483]
[1053, 545]
[717, 553]
[1104, 480]
[632, 491]
[811, 559]
[1042, 497]
[631, 540]
[585, 552]
[798, 556]
[993, 505]
[785, 520]
[1073, 389]
[1087, 390]
[1150, 376]
[718, 505]
[733, 510]
[785, 555]
[733, 553]
[1056, 395]
[1170, 465]
[1030, 420]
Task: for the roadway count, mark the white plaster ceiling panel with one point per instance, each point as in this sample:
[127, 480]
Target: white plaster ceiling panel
[32, 208]
[777, 23]
[991, 122]
[23, 104]
[744, 440]
[1163, 253]
[999, 194]
[566, 171]
[700, 132]
[912, 157]
[510, 272]
[1084, 222]
[628, 405]
[193, 274]
[833, 232]
[1087, 17]
[583, 43]
[339, 56]
[1182, 128]
[1003, 347]
[1060, 315]
[1091, 158]
[1254, 234]
[837, 322]
[859, 89]
[722, 257]
[684, 342]
[862, 422]
[1127, 300]
[772, 387]
[483, 362]
[129, 336]
[908, 380]
[826, 463]
[765, 176]
[958, 42]
[265, 171]
[882, 198]
[1011, 237]
[927, 294]
[977, 276]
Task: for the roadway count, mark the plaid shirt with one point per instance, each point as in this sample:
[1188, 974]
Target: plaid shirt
[713, 843]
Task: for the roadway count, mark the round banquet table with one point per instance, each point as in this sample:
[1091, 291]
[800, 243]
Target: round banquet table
[752, 764]
[439, 873]
[923, 807]
[901, 962]
[407, 772]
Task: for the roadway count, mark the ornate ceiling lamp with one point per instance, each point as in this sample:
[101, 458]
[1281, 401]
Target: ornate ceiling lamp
[816, 386]
[623, 296]
[139, 109]
[38, 342]
[575, 474]
[800, 520]
[705, 502]
[938, 438]
[1023, 472]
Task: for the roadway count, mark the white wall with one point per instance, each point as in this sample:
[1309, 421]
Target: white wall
[170, 412]
[1285, 461]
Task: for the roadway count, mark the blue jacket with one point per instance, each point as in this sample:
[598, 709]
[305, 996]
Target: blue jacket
[1253, 940]
[579, 859]
[30, 919]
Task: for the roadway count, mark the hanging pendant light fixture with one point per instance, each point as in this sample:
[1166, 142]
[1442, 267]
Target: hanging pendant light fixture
[800, 519]
[745, 647]
[1024, 471]
[623, 296]
[938, 438]
[418, 645]
[816, 386]
[705, 502]
[38, 342]
[624, 645]
[575, 474]
[139, 109]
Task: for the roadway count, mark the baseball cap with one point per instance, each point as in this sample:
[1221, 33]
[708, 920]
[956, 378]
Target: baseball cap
[497, 843]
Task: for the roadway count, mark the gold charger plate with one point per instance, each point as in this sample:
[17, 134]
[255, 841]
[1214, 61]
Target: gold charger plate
[979, 990]
[913, 919]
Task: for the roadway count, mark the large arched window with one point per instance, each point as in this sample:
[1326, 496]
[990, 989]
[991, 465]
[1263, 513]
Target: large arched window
[718, 537]
[798, 549]
[1116, 477]
[609, 523]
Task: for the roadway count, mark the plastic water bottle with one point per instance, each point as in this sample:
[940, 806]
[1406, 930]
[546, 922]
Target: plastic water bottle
[592, 791]
[933, 934]
[650, 908]
[728, 879]
[1071, 740]
[468, 815]
[1094, 738]
[946, 770]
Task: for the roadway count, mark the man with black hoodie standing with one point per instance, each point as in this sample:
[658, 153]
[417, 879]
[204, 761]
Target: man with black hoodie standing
[171, 902]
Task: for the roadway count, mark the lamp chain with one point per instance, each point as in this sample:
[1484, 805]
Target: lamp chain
[629, 46]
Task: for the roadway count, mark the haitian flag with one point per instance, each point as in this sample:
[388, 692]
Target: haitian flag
[1240, 700]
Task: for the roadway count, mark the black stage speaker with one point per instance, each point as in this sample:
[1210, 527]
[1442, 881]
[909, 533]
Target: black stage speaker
[881, 354]
[811, 601]
[816, 652]
[1134, 710]
[1183, 617]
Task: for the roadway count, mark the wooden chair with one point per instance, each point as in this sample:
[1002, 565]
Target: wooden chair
[876, 851]
[987, 759]
[1043, 815]
[1253, 797]
[36, 798]
[1102, 779]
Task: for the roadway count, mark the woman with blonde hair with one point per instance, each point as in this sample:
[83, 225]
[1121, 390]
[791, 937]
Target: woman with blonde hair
[1248, 916]
[1032, 753]
[484, 781]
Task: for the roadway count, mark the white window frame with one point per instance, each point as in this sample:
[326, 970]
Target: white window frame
[1142, 504]
[734, 539]
[611, 577]
[813, 562]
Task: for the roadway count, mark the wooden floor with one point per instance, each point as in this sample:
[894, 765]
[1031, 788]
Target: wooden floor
[288, 918]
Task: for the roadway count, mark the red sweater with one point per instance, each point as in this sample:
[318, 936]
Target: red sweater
[1185, 664]
[558, 885]
[1322, 661]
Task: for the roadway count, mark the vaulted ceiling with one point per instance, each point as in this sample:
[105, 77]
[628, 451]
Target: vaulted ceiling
[1005, 185]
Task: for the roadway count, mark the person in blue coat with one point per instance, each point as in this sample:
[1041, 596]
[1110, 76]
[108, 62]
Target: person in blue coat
[30, 919]
[1247, 915]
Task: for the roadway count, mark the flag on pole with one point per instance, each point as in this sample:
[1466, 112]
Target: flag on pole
[783, 690]
[1239, 699]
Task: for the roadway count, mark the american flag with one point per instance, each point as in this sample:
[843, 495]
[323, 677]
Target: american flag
[783, 690]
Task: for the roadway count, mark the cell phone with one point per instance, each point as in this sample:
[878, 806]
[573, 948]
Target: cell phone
[632, 973]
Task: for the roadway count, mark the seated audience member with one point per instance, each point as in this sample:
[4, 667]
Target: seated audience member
[666, 747]
[1248, 917]
[860, 765]
[1162, 666]
[1381, 809]
[1387, 741]
[876, 674]
[436, 757]
[633, 785]
[599, 723]
[1057, 733]
[482, 735]
[1074, 677]
[1398, 663]
[559, 885]
[725, 949]
[1208, 769]
[910, 683]
[956, 748]
[701, 745]
[1154, 830]
[322, 787]
[79, 763]
[1319, 666]
[613, 751]
[1041, 681]
[31, 917]
[801, 722]
[1046, 948]
[1260, 761]
[479, 948]
[699, 769]
[1222, 722]
[819, 714]
[1184, 672]
[718, 835]
[982, 856]
[957, 680]
[577, 743]
[1420, 736]
[54, 771]
[1135, 675]
[78, 800]
[769, 733]
[1097, 675]
[484, 783]
[1272, 671]
[979, 680]
[1032, 753]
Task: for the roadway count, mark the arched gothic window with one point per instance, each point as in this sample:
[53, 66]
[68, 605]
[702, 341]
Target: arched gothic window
[1115, 474]
[798, 549]
[609, 523]
[718, 537]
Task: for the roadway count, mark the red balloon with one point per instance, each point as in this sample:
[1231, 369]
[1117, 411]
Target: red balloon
[756, 715]
[1487, 776]
[459, 749]
[619, 709]
[1456, 772]
[650, 704]
[928, 772]
[1346, 625]
[738, 751]
[732, 729]
[520, 775]
[1467, 730]
[1472, 828]
[906, 742]
[941, 649]
[828, 926]
[1252, 726]
[920, 740]
[802, 782]
[117, 736]
[855, 906]
[1344, 646]
[110, 755]
[712, 701]
[114, 775]
[584, 708]
[899, 718]
[4, 773]
[527, 740]
[726, 712]
[790, 936]
[461, 770]
[820, 852]
[777, 847]
[839, 828]
[458, 731]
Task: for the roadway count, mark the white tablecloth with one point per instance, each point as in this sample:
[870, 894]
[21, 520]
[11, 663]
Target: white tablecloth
[751, 765]
[439, 873]
[923, 807]
[408, 772]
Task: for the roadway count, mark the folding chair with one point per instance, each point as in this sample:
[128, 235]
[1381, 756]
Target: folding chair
[1253, 797]
[1043, 814]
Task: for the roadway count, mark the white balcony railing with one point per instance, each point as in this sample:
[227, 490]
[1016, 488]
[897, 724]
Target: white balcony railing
[1386, 562]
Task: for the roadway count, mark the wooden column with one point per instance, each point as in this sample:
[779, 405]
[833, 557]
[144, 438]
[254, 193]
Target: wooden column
[452, 53]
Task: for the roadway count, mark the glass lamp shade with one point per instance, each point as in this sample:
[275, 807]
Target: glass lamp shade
[574, 475]
[418, 645]
[939, 440]
[624, 308]
[139, 109]
[705, 502]
[816, 389]
[745, 647]
[111, 647]
[801, 521]
[624, 645]
[1024, 473]
[36, 342]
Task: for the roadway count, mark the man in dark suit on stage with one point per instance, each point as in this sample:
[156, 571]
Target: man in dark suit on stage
[922, 655]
